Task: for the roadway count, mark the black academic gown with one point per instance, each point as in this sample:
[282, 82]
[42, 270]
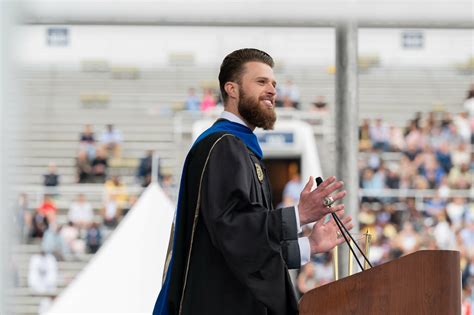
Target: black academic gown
[242, 248]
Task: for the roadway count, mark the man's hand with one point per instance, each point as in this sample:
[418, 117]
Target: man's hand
[311, 207]
[325, 236]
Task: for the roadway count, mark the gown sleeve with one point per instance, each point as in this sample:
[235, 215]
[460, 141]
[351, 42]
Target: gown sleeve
[252, 239]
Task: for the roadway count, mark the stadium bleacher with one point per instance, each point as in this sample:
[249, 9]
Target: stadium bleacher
[142, 108]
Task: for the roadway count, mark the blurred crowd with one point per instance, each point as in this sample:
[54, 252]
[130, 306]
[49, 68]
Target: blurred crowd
[93, 157]
[433, 156]
[428, 167]
[69, 228]
[288, 97]
[68, 236]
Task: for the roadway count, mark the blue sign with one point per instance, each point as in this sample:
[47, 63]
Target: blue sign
[413, 39]
[276, 138]
[58, 36]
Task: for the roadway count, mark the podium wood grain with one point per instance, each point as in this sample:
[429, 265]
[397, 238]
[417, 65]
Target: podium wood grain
[425, 282]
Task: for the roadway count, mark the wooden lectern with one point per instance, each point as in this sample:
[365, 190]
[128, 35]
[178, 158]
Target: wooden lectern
[425, 282]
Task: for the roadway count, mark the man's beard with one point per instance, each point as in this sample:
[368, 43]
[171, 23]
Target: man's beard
[253, 113]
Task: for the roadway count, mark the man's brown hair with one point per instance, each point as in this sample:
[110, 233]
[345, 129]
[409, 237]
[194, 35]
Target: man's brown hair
[232, 66]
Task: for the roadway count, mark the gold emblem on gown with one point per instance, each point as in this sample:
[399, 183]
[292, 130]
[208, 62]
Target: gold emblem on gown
[258, 168]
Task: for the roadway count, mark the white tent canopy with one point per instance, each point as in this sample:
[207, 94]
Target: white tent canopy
[125, 275]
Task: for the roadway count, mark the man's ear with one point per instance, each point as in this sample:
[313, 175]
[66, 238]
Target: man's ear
[232, 89]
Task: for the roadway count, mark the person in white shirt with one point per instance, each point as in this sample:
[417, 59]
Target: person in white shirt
[80, 212]
[43, 273]
[112, 140]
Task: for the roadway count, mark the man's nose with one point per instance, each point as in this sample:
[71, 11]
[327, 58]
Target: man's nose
[271, 89]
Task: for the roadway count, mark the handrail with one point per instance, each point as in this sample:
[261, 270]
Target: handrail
[418, 194]
[92, 192]
[410, 193]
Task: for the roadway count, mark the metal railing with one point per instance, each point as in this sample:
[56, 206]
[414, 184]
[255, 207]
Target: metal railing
[418, 194]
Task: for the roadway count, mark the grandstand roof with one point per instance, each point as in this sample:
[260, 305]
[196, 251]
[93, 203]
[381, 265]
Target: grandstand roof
[304, 13]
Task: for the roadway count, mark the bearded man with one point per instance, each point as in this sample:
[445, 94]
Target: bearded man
[231, 249]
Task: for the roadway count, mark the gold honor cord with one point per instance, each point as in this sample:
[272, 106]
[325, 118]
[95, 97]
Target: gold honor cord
[169, 253]
[196, 216]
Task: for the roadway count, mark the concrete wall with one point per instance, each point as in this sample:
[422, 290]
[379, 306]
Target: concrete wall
[149, 46]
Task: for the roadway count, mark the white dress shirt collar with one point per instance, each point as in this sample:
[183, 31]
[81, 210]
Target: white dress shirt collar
[233, 118]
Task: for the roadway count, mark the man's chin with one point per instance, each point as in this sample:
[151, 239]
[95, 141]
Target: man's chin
[268, 124]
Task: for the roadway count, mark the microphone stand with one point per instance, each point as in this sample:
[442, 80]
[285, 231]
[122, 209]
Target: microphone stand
[345, 233]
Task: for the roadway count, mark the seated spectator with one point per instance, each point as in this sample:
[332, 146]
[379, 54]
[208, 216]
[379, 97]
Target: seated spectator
[374, 159]
[467, 280]
[463, 126]
[411, 151]
[114, 186]
[443, 234]
[208, 100]
[414, 136]
[443, 155]
[407, 240]
[111, 212]
[53, 243]
[23, 217]
[48, 208]
[444, 190]
[168, 186]
[84, 168]
[51, 178]
[87, 142]
[93, 238]
[324, 269]
[306, 279]
[432, 171]
[39, 224]
[372, 180]
[192, 101]
[111, 139]
[379, 250]
[319, 105]
[392, 177]
[460, 155]
[422, 183]
[380, 135]
[99, 166]
[294, 186]
[365, 144]
[43, 273]
[417, 119]
[80, 212]
[434, 138]
[435, 206]
[288, 104]
[290, 90]
[460, 177]
[466, 235]
[457, 210]
[450, 134]
[407, 168]
[397, 141]
[430, 120]
[72, 237]
[132, 200]
[469, 102]
[144, 169]
[369, 181]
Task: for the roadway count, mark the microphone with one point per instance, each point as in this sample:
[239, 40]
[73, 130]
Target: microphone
[344, 232]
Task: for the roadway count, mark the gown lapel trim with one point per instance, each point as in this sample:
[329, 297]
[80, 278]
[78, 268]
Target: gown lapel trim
[196, 217]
